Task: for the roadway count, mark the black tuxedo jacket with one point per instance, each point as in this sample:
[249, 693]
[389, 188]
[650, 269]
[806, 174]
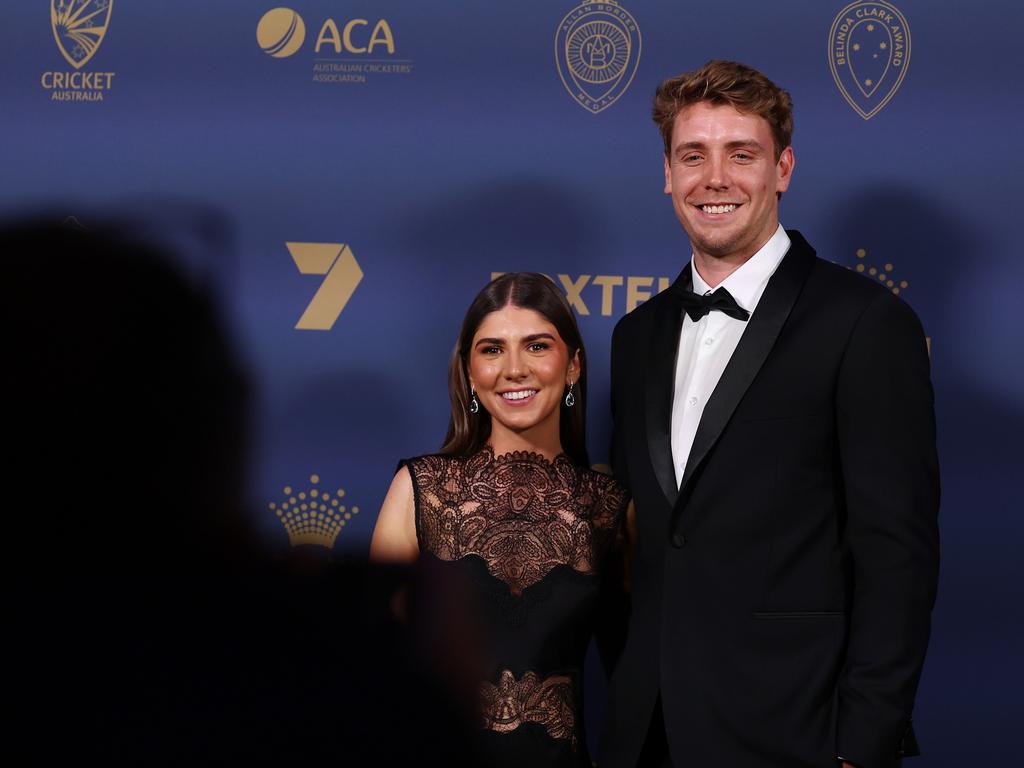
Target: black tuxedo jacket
[782, 594]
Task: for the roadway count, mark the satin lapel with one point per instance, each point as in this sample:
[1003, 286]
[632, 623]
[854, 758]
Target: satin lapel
[659, 388]
[757, 341]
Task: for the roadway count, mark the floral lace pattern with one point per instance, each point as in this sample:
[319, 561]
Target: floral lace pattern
[522, 514]
[511, 703]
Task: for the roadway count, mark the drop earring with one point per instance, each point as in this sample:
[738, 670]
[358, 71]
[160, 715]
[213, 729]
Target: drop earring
[570, 400]
[474, 404]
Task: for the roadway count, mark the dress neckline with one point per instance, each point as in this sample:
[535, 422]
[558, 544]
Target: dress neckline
[526, 456]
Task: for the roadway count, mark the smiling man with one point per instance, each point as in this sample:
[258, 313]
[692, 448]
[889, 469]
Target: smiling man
[774, 421]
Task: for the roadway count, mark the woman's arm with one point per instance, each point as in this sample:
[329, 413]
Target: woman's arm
[394, 537]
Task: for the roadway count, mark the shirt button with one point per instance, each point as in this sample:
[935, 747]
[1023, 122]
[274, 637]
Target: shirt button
[678, 540]
[692, 401]
[709, 341]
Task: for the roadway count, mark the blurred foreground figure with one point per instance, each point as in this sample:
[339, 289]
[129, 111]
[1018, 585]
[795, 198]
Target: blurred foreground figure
[146, 627]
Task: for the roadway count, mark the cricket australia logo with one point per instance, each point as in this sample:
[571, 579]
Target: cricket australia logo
[869, 52]
[79, 27]
[597, 50]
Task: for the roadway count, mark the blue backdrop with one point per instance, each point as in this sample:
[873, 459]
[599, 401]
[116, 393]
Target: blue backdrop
[441, 142]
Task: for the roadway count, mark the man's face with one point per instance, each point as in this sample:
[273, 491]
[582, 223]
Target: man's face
[723, 178]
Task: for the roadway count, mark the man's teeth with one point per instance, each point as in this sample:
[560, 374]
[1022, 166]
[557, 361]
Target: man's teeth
[522, 395]
[718, 208]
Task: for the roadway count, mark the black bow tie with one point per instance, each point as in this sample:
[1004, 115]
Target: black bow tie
[697, 306]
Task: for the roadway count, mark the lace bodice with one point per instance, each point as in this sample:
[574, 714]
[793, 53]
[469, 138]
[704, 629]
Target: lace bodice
[533, 537]
[520, 513]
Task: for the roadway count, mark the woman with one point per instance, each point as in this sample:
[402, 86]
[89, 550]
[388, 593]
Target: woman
[511, 502]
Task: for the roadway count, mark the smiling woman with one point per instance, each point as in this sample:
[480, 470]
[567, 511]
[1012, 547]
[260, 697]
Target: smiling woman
[510, 505]
[519, 368]
[519, 336]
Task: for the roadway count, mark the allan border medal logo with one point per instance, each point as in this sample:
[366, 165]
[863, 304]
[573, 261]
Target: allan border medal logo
[597, 50]
[869, 52]
[79, 27]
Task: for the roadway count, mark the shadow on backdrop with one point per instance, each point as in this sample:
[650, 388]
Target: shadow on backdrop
[514, 225]
[966, 699]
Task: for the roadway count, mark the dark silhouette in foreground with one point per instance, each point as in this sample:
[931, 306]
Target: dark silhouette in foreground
[146, 627]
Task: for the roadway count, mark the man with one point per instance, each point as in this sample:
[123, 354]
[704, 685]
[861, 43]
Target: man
[774, 420]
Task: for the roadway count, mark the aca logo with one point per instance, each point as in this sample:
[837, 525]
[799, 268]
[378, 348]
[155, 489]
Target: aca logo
[346, 50]
[313, 516]
[869, 53]
[345, 41]
[280, 32]
[342, 275]
[79, 28]
[597, 51]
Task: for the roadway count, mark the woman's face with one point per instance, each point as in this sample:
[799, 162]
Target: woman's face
[520, 367]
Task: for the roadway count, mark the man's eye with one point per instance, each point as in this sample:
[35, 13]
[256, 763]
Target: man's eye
[743, 157]
[691, 158]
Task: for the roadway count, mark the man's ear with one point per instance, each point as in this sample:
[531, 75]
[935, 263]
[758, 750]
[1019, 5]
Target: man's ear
[784, 169]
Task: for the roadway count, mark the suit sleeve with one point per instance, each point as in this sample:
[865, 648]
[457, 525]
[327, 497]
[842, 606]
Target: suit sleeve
[613, 614]
[619, 374]
[886, 427]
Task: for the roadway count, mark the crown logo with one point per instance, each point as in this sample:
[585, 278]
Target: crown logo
[79, 27]
[883, 275]
[313, 516]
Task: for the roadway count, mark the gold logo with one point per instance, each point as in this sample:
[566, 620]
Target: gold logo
[313, 516]
[280, 32]
[882, 274]
[343, 275]
[345, 50]
[597, 50]
[604, 290]
[79, 27]
[869, 53]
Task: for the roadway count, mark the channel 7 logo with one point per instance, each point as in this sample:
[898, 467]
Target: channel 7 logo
[342, 275]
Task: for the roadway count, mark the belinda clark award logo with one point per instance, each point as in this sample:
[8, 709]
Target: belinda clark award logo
[869, 53]
[597, 51]
[79, 28]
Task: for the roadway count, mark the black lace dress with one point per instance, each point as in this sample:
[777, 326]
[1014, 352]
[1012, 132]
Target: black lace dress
[531, 537]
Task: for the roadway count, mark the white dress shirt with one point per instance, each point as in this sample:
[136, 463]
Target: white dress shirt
[706, 346]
